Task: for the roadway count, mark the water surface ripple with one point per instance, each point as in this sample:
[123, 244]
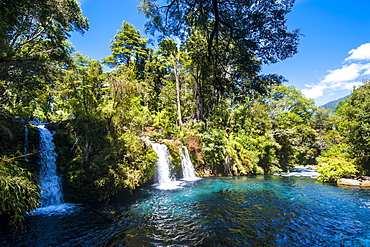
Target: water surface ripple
[242, 211]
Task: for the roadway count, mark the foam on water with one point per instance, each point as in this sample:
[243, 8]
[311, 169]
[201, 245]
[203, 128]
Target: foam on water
[57, 209]
[171, 185]
[300, 172]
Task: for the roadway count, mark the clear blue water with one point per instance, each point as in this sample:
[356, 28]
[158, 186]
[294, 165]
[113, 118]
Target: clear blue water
[241, 211]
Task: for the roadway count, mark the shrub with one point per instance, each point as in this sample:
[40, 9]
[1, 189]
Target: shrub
[333, 168]
[336, 163]
[18, 192]
[213, 148]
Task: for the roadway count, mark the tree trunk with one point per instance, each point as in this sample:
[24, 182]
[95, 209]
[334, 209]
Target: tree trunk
[178, 96]
[199, 101]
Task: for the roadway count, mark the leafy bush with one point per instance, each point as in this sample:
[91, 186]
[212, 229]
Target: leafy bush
[213, 148]
[335, 163]
[18, 192]
[333, 168]
[242, 155]
[99, 157]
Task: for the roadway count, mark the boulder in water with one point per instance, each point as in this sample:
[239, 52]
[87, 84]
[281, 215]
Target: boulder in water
[365, 183]
[346, 181]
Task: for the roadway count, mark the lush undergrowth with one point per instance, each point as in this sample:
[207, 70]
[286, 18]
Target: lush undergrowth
[18, 173]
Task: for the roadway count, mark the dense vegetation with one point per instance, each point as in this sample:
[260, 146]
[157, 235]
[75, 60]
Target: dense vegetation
[204, 91]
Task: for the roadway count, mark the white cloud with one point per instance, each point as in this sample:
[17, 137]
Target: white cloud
[366, 67]
[314, 91]
[360, 53]
[346, 73]
[318, 90]
[356, 66]
[352, 85]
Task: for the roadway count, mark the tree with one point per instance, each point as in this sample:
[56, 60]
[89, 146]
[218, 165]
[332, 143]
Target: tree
[128, 48]
[228, 42]
[79, 89]
[288, 106]
[155, 71]
[260, 26]
[226, 74]
[290, 113]
[34, 33]
[33, 43]
[356, 111]
[169, 49]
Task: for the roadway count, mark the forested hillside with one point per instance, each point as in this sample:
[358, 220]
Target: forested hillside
[203, 89]
[332, 105]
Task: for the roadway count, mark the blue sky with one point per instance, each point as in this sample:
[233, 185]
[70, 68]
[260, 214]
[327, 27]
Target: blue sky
[333, 55]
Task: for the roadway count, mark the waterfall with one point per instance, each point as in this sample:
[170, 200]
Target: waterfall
[51, 202]
[188, 171]
[165, 179]
[25, 147]
[50, 184]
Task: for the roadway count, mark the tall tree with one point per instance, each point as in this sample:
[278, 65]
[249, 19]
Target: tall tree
[155, 71]
[33, 34]
[80, 88]
[258, 25]
[356, 111]
[33, 43]
[169, 49]
[228, 40]
[128, 48]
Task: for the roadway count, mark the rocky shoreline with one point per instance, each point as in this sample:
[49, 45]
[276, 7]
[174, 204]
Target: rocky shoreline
[363, 181]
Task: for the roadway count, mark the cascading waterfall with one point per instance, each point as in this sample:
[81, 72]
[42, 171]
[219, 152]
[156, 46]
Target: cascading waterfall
[165, 179]
[26, 145]
[188, 171]
[50, 184]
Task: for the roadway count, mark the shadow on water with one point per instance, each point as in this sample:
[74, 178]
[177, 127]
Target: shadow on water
[243, 211]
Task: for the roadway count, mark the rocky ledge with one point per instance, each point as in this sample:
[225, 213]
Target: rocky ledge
[363, 181]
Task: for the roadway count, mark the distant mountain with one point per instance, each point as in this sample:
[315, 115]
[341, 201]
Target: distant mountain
[332, 104]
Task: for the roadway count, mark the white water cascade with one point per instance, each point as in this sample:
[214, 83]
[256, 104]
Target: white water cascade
[188, 171]
[165, 179]
[25, 147]
[50, 184]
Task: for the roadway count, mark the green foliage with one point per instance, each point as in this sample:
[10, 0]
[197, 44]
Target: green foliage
[213, 148]
[128, 48]
[155, 71]
[240, 23]
[242, 154]
[227, 42]
[356, 124]
[136, 162]
[79, 90]
[336, 163]
[33, 47]
[174, 148]
[102, 159]
[18, 192]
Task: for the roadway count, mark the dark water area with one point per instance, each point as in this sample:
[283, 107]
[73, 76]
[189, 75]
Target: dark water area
[241, 211]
